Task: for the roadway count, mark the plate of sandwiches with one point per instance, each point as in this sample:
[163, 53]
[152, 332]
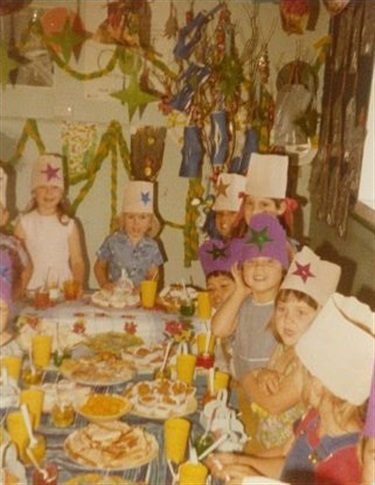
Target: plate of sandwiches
[146, 358]
[113, 445]
[161, 399]
[98, 370]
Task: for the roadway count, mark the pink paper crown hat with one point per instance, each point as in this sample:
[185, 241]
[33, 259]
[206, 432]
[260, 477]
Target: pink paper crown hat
[139, 198]
[267, 176]
[217, 255]
[311, 275]
[5, 277]
[339, 348]
[229, 190]
[48, 170]
[3, 188]
[266, 238]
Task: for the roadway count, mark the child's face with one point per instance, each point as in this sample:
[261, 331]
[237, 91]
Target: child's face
[224, 222]
[219, 288]
[47, 198]
[256, 205]
[4, 314]
[135, 224]
[4, 216]
[263, 275]
[293, 317]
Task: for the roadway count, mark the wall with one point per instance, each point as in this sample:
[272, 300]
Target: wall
[68, 99]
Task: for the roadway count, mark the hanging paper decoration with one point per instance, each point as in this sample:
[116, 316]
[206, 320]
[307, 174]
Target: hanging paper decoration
[294, 15]
[146, 152]
[189, 82]
[128, 23]
[171, 25]
[79, 141]
[334, 7]
[241, 164]
[192, 153]
[64, 32]
[219, 138]
[8, 65]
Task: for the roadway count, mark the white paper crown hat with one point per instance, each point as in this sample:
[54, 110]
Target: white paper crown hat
[311, 275]
[139, 198]
[229, 190]
[3, 187]
[48, 170]
[267, 176]
[339, 348]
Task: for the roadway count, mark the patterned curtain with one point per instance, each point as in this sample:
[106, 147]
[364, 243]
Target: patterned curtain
[347, 85]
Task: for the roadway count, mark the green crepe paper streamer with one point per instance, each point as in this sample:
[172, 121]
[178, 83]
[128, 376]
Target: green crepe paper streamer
[191, 235]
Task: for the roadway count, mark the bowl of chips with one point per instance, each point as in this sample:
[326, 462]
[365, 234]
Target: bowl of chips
[99, 408]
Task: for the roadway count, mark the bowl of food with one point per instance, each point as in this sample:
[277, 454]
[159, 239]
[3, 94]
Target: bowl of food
[99, 408]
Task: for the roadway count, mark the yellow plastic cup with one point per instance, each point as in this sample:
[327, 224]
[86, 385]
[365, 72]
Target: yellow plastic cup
[221, 380]
[17, 430]
[13, 365]
[176, 437]
[204, 308]
[201, 343]
[192, 474]
[185, 364]
[41, 350]
[33, 398]
[148, 293]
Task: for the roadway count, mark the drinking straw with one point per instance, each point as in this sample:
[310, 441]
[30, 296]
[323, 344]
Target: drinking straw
[211, 380]
[4, 376]
[27, 421]
[166, 356]
[207, 343]
[213, 447]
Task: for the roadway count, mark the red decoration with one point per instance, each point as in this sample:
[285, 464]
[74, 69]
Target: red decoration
[294, 15]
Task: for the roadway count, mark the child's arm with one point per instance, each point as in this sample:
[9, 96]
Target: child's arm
[76, 256]
[224, 322]
[101, 274]
[288, 395]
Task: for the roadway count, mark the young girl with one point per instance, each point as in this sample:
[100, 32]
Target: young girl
[246, 312]
[50, 235]
[275, 391]
[228, 199]
[21, 263]
[131, 249]
[337, 352]
[8, 346]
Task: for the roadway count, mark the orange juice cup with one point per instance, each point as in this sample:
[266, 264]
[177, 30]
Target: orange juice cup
[221, 381]
[148, 293]
[41, 350]
[12, 364]
[34, 399]
[17, 430]
[201, 343]
[192, 474]
[71, 290]
[204, 305]
[186, 367]
[176, 437]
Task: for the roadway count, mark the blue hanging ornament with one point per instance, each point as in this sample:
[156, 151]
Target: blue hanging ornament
[192, 153]
[191, 80]
[219, 138]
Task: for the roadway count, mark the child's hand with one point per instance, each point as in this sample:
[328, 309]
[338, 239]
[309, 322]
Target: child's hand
[238, 280]
[268, 381]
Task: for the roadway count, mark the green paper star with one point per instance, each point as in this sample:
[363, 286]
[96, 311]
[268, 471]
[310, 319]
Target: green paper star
[259, 238]
[134, 97]
[217, 252]
[7, 64]
[70, 39]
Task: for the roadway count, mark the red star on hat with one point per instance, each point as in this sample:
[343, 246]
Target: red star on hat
[303, 270]
[51, 172]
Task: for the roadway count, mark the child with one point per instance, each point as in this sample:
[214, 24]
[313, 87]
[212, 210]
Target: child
[8, 346]
[21, 263]
[132, 248]
[275, 391]
[368, 458]
[337, 352]
[229, 193]
[246, 312]
[50, 235]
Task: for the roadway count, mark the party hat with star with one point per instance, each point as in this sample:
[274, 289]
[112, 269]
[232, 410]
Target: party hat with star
[312, 276]
[266, 238]
[139, 198]
[229, 190]
[267, 176]
[48, 170]
[218, 255]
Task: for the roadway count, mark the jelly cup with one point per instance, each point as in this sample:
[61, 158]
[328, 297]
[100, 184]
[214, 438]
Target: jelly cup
[71, 290]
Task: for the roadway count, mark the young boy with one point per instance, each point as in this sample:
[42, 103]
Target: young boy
[247, 310]
[132, 249]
